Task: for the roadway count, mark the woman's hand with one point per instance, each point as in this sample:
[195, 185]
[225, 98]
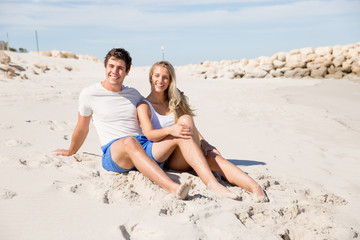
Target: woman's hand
[180, 131]
[207, 148]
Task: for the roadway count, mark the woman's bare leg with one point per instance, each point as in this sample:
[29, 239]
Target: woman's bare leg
[219, 164]
[235, 175]
[128, 152]
[193, 156]
[177, 161]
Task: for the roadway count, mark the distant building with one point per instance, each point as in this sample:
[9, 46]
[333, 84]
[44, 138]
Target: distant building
[4, 45]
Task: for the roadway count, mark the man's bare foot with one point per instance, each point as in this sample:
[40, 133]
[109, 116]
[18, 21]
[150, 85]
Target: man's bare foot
[259, 195]
[183, 190]
[220, 189]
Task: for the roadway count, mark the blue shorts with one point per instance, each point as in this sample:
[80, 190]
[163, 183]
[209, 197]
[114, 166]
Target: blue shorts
[109, 164]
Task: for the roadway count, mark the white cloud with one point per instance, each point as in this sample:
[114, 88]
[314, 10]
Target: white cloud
[135, 15]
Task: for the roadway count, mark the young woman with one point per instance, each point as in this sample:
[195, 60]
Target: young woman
[166, 113]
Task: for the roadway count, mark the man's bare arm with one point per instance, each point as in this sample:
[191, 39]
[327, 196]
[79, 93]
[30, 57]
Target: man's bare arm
[79, 135]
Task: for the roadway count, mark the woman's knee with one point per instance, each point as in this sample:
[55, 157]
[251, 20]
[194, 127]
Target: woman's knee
[186, 119]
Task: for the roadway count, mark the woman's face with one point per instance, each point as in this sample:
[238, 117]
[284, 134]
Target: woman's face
[160, 79]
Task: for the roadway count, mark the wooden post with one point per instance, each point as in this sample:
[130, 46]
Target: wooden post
[37, 41]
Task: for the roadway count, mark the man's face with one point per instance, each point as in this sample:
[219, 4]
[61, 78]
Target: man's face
[115, 71]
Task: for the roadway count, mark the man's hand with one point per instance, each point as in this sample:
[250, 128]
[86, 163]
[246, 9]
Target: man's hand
[62, 152]
[80, 132]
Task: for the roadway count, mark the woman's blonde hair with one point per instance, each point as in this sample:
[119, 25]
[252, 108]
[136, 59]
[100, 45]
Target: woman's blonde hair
[178, 102]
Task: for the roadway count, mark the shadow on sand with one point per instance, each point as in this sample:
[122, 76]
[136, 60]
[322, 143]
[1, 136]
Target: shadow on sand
[245, 162]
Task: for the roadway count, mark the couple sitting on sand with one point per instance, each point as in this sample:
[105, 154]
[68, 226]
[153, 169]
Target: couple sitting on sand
[167, 137]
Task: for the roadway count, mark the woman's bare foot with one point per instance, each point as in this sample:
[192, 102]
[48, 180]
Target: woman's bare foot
[182, 191]
[259, 195]
[220, 189]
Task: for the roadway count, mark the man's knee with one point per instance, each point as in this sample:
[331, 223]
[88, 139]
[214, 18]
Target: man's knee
[130, 143]
[126, 144]
[121, 151]
[124, 147]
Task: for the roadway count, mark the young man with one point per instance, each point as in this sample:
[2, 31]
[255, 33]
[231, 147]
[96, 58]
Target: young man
[112, 107]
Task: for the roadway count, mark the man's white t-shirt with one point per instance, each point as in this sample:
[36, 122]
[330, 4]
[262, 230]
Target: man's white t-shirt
[114, 113]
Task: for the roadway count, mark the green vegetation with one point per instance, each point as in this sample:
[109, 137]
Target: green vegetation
[22, 50]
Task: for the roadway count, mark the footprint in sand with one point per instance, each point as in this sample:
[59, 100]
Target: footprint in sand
[268, 182]
[56, 161]
[7, 194]
[84, 156]
[53, 124]
[14, 143]
[49, 159]
[136, 231]
[88, 189]
[170, 208]
[298, 213]
[285, 235]
[245, 217]
[291, 212]
[124, 232]
[322, 198]
[4, 126]
[112, 196]
[60, 185]
[329, 198]
[256, 216]
[4, 159]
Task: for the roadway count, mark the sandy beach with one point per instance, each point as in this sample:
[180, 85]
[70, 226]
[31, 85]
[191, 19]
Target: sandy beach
[298, 137]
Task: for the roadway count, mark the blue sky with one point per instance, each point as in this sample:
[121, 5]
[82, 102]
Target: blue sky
[191, 31]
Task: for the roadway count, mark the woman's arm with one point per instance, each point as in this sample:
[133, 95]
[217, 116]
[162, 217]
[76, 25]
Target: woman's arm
[155, 135]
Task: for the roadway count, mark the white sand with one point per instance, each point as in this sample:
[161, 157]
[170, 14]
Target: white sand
[299, 138]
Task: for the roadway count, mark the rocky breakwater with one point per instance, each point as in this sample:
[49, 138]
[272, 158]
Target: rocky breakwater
[322, 62]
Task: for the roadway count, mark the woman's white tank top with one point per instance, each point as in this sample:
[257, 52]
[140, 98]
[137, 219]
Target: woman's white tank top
[160, 121]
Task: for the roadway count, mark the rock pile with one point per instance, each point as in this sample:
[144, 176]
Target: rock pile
[18, 67]
[322, 62]
[64, 54]
[8, 69]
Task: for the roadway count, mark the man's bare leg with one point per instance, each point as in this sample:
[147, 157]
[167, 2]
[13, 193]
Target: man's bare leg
[128, 152]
